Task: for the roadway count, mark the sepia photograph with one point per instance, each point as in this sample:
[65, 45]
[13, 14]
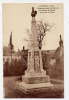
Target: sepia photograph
[33, 50]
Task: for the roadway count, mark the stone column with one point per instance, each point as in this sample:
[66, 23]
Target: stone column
[34, 54]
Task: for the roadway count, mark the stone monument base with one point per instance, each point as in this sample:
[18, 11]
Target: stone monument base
[31, 88]
[33, 83]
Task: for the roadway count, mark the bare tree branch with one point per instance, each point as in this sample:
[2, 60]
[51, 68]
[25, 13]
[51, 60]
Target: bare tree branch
[43, 28]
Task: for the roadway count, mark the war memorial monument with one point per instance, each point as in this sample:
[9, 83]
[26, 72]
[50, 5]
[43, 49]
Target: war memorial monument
[35, 76]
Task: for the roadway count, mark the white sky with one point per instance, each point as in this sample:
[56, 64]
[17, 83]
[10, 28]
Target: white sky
[17, 18]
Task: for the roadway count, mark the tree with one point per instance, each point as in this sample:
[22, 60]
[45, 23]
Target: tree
[43, 28]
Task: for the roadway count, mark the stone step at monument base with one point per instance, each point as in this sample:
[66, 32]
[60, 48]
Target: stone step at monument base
[36, 79]
[32, 88]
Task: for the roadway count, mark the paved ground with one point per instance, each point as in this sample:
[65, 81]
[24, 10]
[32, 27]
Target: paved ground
[10, 92]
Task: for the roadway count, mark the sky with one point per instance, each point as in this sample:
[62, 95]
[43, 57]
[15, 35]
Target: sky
[17, 19]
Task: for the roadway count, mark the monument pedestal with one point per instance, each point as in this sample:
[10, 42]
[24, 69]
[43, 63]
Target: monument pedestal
[32, 88]
[37, 82]
[35, 77]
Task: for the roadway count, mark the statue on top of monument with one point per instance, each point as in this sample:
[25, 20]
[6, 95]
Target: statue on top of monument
[34, 12]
